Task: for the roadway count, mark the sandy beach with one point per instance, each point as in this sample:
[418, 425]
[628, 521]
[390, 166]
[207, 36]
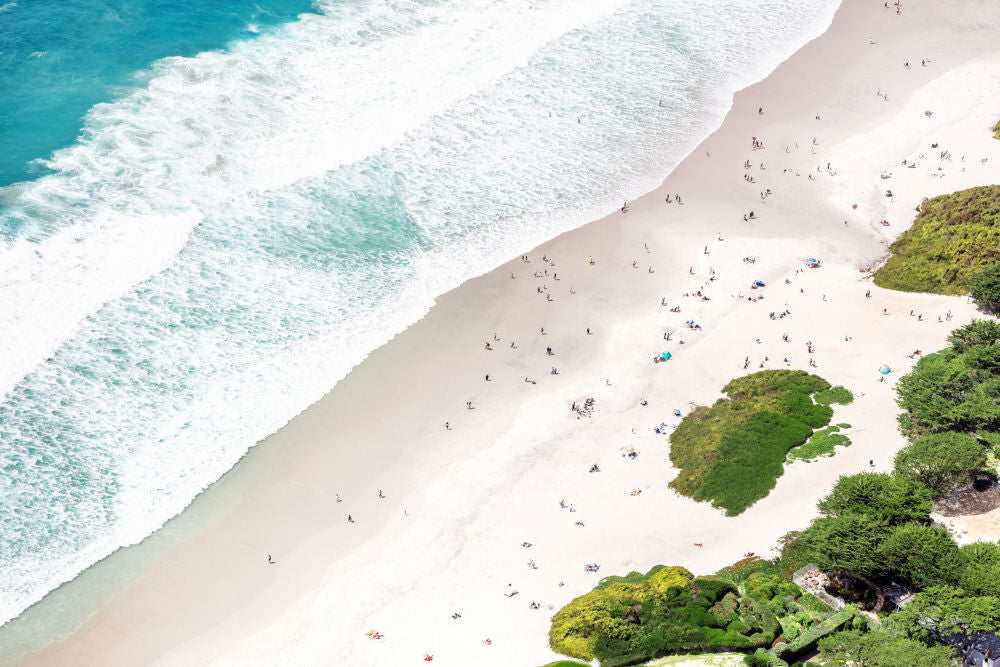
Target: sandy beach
[452, 446]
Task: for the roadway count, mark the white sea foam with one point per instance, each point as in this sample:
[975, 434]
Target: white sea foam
[206, 131]
[224, 244]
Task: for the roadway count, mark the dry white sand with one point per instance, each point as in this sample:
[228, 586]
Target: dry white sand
[459, 503]
[970, 528]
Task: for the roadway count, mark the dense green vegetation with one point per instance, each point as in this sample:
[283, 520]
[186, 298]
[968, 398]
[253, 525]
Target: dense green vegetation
[996, 130]
[984, 287]
[632, 619]
[875, 529]
[951, 403]
[880, 648]
[822, 443]
[943, 611]
[733, 452]
[953, 238]
[874, 532]
[942, 461]
[839, 395]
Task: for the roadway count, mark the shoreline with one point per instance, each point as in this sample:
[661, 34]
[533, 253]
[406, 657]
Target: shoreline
[404, 388]
[444, 267]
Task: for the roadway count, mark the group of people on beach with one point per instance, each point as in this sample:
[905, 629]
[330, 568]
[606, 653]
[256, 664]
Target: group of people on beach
[701, 306]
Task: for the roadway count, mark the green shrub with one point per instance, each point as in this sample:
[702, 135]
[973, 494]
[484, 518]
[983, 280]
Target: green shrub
[725, 609]
[631, 619]
[733, 452]
[925, 555]
[881, 649]
[821, 443]
[737, 627]
[713, 588]
[952, 238]
[739, 571]
[859, 622]
[764, 586]
[984, 287]
[793, 554]
[764, 659]
[807, 640]
[981, 576]
[834, 395]
[789, 627]
[956, 389]
[942, 461]
[639, 616]
[813, 603]
[974, 334]
[996, 130]
[888, 499]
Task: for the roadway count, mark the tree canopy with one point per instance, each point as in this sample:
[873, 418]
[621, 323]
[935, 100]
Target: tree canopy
[924, 555]
[982, 574]
[975, 333]
[942, 461]
[888, 499]
[957, 389]
[985, 287]
[848, 544]
[880, 649]
[947, 614]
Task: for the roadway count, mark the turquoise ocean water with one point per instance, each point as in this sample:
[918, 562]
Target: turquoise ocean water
[210, 213]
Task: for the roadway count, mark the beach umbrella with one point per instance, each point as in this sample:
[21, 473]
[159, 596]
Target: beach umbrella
[665, 356]
[884, 369]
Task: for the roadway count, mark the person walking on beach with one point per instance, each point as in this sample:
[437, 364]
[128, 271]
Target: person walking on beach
[270, 561]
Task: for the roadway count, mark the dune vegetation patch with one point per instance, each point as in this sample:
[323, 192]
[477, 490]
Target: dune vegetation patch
[732, 453]
[822, 443]
[953, 239]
